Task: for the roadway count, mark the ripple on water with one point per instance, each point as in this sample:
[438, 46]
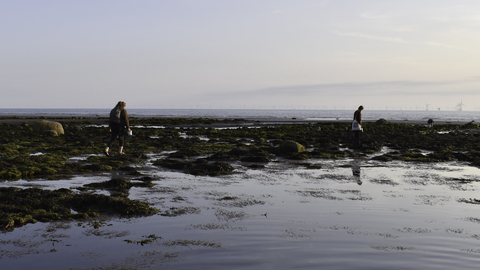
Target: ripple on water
[401, 215]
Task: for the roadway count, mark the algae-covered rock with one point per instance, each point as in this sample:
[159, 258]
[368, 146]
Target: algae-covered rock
[470, 125]
[48, 128]
[255, 159]
[384, 157]
[291, 147]
[382, 121]
[197, 167]
[22, 206]
[120, 184]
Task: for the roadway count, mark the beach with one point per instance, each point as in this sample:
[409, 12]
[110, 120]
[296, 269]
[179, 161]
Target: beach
[239, 135]
[227, 197]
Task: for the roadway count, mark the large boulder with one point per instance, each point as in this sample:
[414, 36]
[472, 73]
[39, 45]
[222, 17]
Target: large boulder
[382, 121]
[290, 147]
[48, 128]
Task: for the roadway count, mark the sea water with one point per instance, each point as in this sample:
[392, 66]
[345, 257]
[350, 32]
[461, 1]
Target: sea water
[350, 214]
[402, 115]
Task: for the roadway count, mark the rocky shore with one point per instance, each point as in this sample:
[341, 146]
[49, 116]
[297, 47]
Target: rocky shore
[192, 146]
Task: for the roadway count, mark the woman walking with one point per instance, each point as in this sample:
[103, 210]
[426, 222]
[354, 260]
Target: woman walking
[118, 123]
[357, 127]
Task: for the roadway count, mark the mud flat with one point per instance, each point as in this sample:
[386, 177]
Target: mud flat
[237, 193]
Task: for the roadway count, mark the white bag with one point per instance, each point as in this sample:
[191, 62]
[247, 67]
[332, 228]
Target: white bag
[356, 126]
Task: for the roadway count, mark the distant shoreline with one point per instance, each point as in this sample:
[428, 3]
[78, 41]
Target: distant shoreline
[267, 116]
[17, 120]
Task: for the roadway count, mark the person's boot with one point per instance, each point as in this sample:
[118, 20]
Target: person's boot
[106, 151]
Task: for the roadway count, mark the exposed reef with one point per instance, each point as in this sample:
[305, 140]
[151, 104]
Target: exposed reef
[26, 154]
[21, 206]
[195, 146]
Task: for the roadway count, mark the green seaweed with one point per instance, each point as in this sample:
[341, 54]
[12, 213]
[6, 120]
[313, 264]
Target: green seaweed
[205, 150]
[21, 206]
[25, 154]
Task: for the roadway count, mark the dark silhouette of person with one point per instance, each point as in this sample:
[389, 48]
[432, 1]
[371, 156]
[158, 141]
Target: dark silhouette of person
[357, 127]
[430, 123]
[118, 123]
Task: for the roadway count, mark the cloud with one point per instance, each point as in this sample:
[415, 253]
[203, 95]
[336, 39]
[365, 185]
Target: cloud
[449, 46]
[369, 15]
[404, 87]
[401, 40]
[439, 45]
[277, 11]
[472, 18]
[386, 93]
[372, 37]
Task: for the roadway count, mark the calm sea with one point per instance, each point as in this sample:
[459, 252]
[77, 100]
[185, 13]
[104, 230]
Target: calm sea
[416, 115]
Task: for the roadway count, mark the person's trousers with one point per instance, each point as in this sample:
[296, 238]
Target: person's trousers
[117, 131]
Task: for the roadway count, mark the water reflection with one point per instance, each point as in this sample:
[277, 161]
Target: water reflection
[119, 187]
[356, 170]
[409, 212]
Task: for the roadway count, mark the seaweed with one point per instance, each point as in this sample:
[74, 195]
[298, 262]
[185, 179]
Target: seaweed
[21, 206]
[199, 147]
[196, 167]
[25, 154]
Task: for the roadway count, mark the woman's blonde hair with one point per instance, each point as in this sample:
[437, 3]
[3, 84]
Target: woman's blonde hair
[121, 105]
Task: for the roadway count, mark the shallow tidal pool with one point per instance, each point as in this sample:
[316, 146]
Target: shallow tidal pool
[349, 214]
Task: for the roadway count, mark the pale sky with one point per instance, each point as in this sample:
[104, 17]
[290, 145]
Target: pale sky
[260, 54]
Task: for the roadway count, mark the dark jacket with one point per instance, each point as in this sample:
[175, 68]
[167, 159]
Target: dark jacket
[358, 116]
[124, 122]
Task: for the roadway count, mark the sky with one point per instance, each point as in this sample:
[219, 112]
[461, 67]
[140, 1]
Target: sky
[249, 54]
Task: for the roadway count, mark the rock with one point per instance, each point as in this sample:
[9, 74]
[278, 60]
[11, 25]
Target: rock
[184, 154]
[291, 147]
[470, 125]
[48, 128]
[255, 159]
[382, 121]
[384, 157]
[197, 167]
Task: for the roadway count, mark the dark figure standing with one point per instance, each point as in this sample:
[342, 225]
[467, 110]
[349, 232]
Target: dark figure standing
[430, 123]
[357, 127]
[118, 123]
